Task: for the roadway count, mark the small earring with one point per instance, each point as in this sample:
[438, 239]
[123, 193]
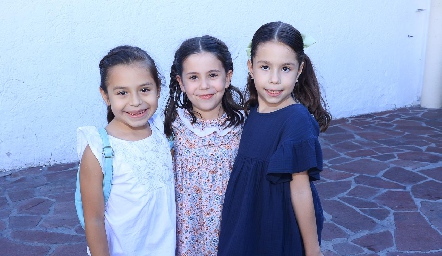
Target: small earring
[158, 96]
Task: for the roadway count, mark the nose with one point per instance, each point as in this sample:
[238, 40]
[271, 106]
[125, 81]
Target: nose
[204, 84]
[135, 100]
[275, 77]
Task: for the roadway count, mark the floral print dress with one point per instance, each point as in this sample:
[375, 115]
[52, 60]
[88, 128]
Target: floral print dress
[204, 153]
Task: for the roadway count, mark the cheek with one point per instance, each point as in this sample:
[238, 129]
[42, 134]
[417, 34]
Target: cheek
[291, 77]
[182, 87]
[152, 98]
[112, 100]
[190, 88]
[221, 85]
[226, 83]
[259, 75]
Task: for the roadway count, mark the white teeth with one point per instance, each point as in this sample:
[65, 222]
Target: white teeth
[137, 113]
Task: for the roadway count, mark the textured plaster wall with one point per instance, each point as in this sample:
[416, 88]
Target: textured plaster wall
[368, 56]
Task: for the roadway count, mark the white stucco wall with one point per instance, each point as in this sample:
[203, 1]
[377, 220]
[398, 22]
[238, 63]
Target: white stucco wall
[368, 56]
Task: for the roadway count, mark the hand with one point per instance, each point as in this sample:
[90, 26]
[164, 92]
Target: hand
[318, 253]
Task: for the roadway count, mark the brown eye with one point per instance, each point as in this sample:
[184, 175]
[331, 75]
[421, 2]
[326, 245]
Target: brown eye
[264, 67]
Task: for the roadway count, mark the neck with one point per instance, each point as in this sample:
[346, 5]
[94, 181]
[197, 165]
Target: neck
[267, 108]
[210, 115]
[125, 132]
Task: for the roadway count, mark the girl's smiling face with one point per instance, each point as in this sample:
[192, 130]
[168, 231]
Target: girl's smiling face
[204, 81]
[132, 95]
[275, 71]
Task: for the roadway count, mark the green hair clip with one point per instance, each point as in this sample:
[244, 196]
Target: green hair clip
[249, 50]
[306, 39]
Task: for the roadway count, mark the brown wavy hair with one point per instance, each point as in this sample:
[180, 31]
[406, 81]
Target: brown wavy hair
[126, 55]
[232, 100]
[306, 90]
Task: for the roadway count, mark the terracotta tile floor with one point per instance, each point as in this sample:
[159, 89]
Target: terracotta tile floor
[381, 191]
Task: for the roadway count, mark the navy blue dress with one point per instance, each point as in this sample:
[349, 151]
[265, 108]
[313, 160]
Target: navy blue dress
[258, 217]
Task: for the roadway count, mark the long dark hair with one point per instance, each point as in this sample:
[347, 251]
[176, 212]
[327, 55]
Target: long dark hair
[232, 100]
[306, 90]
[126, 55]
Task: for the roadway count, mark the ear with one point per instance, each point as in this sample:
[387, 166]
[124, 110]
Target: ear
[228, 78]
[178, 78]
[250, 67]
[159, 91]
[105, 96]
[301, 67]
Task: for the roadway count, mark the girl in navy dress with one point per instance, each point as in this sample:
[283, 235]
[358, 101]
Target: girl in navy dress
[271, 206]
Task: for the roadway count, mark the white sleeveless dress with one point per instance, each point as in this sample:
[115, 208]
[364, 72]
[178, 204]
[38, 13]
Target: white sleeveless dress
[140, 215]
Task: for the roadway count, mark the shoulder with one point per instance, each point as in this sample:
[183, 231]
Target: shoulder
[87, 130]
[299, 112]
[88, 135]
[300, 124]
[157, 121]
[180, 119]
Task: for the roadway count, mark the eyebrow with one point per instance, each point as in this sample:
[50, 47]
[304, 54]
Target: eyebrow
[124, 87]
[284, 64]
[210, 71]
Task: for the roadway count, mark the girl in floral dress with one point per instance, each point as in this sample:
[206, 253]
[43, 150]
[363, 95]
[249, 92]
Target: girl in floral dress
[205, 123]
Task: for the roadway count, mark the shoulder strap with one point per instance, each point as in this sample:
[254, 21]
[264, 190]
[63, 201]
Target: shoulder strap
[108, 154]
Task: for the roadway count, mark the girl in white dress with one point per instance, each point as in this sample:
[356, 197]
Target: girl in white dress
[139, 217]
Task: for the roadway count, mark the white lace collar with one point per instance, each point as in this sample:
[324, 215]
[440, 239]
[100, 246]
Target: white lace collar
[204, 127]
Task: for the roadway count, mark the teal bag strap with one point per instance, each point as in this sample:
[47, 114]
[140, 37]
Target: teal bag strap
[108, 154]
[171, 142]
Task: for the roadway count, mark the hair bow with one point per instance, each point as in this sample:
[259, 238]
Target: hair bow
[307, 40]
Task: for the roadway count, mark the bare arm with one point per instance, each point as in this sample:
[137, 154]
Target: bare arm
[302, 201]
[91, 187]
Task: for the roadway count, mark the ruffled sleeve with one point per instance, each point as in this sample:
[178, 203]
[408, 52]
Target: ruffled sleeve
[88, 135]
[293, 157]
[157, 120]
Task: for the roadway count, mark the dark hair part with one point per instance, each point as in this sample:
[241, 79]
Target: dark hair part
[306, 90]
[126, 55]
[232, 100]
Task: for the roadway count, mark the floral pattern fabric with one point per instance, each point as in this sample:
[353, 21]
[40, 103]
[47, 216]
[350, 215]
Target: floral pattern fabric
[204, 156]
